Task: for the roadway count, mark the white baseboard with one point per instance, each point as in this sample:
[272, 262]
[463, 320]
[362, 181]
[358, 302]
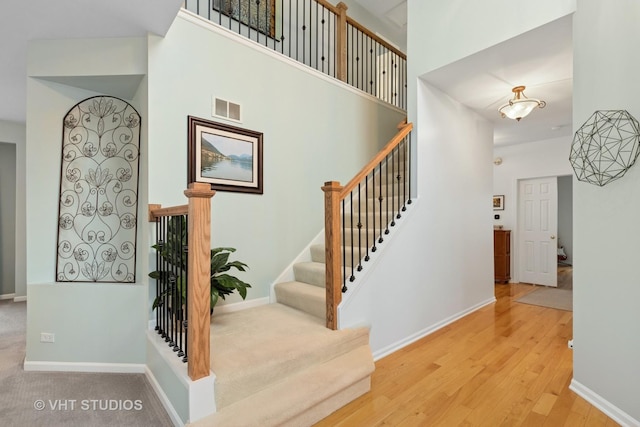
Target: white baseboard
[242, 305]
[120, 368]
[20, 299]
[166, 403]
[604, 405]
[7, 296]
[429, 330]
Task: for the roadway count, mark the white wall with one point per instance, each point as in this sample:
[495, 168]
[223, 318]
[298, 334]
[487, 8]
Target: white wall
[606, 227]
[315, 130]
[93, 323]
[441, 32]
[7, 219]
[15, 133]
[523, 161]
[565, 216]
[439, 264]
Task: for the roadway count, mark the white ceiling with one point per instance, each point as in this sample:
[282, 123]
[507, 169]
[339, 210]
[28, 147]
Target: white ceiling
[540, 59]
[23, 20]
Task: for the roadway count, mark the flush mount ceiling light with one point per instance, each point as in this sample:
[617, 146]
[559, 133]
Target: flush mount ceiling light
[520, 106]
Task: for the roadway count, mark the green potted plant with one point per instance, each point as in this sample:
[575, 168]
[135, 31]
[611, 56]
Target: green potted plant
[222, 283]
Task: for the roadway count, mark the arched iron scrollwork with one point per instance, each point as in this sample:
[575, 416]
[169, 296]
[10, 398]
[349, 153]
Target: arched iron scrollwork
[98, 192]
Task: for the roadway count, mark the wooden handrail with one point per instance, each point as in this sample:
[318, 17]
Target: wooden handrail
[376, 37]
[328, 5]
[404, 131]
[157, 211]
[334, 193]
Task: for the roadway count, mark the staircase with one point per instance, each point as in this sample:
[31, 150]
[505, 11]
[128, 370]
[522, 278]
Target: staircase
[278, 364]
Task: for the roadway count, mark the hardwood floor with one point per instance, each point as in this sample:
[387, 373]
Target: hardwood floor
[506, 364]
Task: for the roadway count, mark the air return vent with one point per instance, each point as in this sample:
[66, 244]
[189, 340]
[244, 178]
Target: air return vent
[226, 109]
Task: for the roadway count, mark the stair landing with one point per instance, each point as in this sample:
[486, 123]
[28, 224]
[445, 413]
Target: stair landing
[276, 365]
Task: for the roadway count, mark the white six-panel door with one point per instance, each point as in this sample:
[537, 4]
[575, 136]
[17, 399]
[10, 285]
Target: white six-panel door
[538, 228]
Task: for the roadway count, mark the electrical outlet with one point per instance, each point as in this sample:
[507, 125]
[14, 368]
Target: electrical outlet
[47, 337]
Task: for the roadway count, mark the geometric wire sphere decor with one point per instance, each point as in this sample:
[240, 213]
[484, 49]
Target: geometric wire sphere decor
[605, 147]
[98, 192]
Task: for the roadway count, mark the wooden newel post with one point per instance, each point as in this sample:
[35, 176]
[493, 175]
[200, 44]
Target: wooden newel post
[341, 41]
[332, 190]
[199, 288]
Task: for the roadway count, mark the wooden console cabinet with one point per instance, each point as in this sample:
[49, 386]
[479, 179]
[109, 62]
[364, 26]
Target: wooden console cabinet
[502, 255]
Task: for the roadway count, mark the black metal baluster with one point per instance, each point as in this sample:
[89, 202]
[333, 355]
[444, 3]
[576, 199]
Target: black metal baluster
[359, 229]
[317, 67]
[380, 201]
[373, 205]
[304, 32]
[386, 190]
[311, 37]
[393, 187]
[324, 9]
[289, 39]
[344, 250]
[356, 77]
[366, 211]
[172, 283]
[409, 169]
[159, 242]
[267, 21]
[352, 277]
[165, 281]
[332, 46]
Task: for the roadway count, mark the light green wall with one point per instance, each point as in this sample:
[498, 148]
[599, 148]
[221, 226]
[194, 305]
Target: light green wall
[606, 288]
[7, 218]
[15, 133]
[315, 130]
[93, 323]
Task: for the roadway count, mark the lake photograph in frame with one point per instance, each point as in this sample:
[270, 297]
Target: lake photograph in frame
[227, 157]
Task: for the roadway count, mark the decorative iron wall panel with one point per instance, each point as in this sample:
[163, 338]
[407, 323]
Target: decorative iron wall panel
[98, 192]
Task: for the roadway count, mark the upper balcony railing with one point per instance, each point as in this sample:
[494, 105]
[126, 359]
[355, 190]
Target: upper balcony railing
[317, 34]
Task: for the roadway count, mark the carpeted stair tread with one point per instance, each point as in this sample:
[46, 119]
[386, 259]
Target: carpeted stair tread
[303, 398]
[251, 349]
[318, 254]
[303, 296]
[311, 272]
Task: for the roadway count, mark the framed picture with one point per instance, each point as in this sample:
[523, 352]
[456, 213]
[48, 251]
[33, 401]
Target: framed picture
[498, 203]
[227, 157]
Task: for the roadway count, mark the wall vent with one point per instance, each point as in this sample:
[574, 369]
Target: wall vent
[226, 109]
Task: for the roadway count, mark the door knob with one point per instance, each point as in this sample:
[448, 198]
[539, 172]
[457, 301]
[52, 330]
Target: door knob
[553, 237]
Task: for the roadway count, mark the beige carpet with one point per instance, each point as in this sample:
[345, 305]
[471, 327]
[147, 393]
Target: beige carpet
[560, 298]
[31, 399]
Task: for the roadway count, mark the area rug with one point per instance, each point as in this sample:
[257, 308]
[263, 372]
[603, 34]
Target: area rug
[561, 299]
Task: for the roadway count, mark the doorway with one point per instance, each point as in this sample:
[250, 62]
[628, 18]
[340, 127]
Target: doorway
[544, 242]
